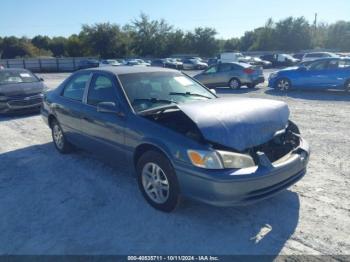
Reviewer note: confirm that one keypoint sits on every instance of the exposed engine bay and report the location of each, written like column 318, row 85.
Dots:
column 281, row 145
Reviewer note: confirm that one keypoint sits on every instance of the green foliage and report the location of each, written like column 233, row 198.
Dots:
column 103, row 40
column 156, row 38
column 338, row 36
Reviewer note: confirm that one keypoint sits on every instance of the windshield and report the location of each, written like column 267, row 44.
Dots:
column 149, row 90
column 15, row 77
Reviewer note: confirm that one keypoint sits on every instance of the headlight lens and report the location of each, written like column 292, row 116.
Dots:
column 219, row 159
column 236, row 160
column 205, row 159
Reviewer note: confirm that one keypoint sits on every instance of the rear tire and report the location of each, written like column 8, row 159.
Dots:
column 251, row 85
column 234, row 83
column 59, row 139
column 283, row 84
column 157, row 181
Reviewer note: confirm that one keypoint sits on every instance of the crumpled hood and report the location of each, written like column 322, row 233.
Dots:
column 239, row 123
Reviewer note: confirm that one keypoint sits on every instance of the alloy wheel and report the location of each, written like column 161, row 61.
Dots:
column 234, row 83
column 283, row 85
column 58, row 136
column 155, row 183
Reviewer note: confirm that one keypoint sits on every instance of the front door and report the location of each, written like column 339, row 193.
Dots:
column 104, row 132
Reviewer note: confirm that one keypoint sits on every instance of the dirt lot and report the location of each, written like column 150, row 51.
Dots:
column 75, row 204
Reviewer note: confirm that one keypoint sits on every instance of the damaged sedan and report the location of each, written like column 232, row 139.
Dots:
column 178, row 136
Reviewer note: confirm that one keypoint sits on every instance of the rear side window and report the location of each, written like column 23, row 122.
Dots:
column 101, row 90
column 76, row 86
column 319, row 65
column 225, row 67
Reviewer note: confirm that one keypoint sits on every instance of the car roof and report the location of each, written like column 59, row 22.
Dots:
column 124, row 70
column 328, row 58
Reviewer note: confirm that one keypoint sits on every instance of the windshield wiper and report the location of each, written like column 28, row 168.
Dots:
column 188, row 94
column 156, row 100
column 157, row 110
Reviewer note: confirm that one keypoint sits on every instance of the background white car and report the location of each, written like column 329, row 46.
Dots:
column 109, row 62
column 317, row 55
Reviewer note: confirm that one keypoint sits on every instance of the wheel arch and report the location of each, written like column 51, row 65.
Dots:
column 145, row 147
column 50, row 119
column 286, row 78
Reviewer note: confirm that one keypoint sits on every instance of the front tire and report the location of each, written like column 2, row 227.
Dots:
column 59, row 139
column 157, row 181
column 234, row 83
column 283, row 84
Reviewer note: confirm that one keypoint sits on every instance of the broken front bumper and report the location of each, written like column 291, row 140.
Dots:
column 246, row 185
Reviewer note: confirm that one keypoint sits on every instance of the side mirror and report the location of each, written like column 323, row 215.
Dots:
column 213, row 91
column 108, row 107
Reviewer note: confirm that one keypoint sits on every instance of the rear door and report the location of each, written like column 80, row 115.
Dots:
column 317, row 75
column 70, row 107
column 104, row 132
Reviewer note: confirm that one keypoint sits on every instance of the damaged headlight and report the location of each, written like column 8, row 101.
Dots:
column 205, row 159
column 236, row 160
column 219, row 159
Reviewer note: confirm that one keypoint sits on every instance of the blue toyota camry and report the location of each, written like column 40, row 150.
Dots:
column 327, row 73
column 179, row 137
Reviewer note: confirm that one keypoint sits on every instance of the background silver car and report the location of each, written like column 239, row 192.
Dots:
column 232, row 74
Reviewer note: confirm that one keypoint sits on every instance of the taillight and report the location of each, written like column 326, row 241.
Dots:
column 248, row 71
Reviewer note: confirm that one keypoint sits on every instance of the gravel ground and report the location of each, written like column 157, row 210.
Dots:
column 76, row 204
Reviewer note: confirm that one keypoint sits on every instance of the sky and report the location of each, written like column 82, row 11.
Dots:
column 231, row 18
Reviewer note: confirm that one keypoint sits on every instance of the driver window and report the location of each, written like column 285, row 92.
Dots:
column 319, row 65
column 101, row 90
column 333, row 64
column 225, row 68
column 211, row 70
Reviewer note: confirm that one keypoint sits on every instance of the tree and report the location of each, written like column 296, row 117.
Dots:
column 247, row 40
column 58, row 46
column 202, row 41
column 41, row 42
column 13, row 47
column 230, row 44
column 104, row 40
column 293, row 34
column 175, row 43
column 74, row 47
column 338, row 36
column 150, row 37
